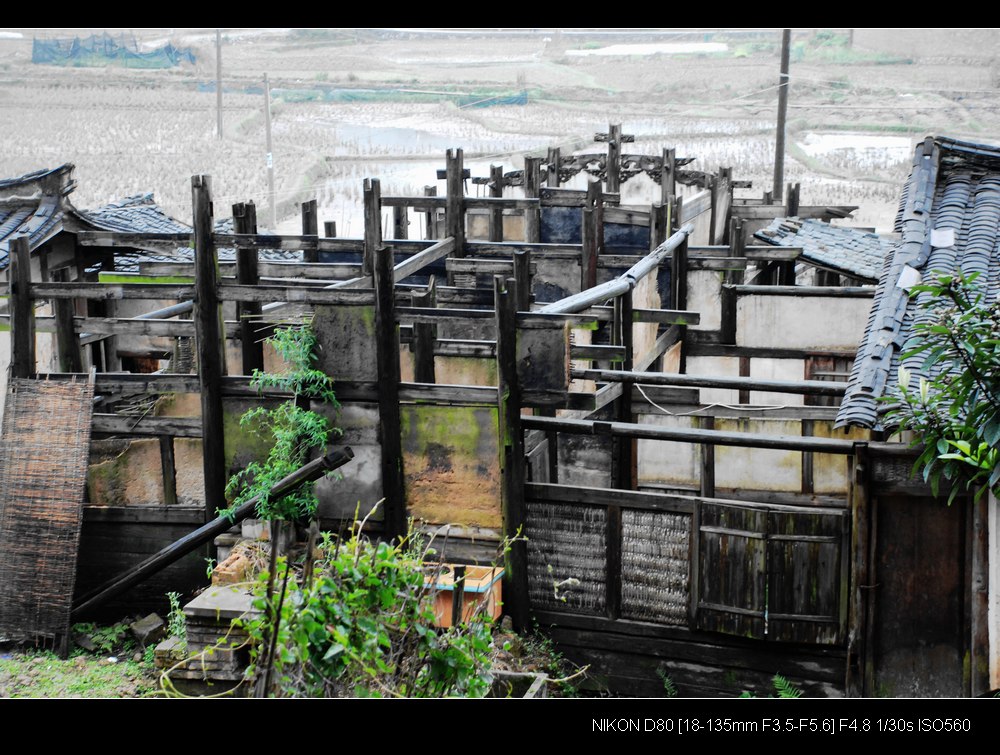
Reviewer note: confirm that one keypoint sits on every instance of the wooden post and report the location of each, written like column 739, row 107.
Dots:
column 588, row 258
column 979, row 598
column 532, row 185
column 678, row 276
column 808, row 486
column 625, row 447
column 553, row 160
column 169, row 469
column 400, row 223
column 424, row 337
column 454, row 214
column 859, row 665
column 373, row 224
column 614, row 157
column 668, row 176
column 310, row 227
column 112, row 362
column 779, row 141
column 270, row 153
column 658, row 222
column 737, row 249
column 431, row 233
column 208, row 335
column 727, row 328
column 248, row 312
column 496, row 213
column 707, row 489
column 522, row 275
column 387, row 356
column 512, row 463
column 70, row 356
column 744, row 397
column 457, row 595
column 218, row 83
column 713, row 187
column 792, row 208
column 330, row 229
column 22, row 310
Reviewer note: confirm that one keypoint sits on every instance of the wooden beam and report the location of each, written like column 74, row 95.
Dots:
column 707, row 479
column 512, row 461
column 70, row 355
column 420, row 260
column 496, row 213
column 679, row 276
column 387, row 358
column 373, row 224
column 668, row 178
column 553, row 160
column 211, row 364
column 455, row 206
column 118, row 424
column 251, row 347
column 532, row 184
column 22, row 309
column 424, row 338
column 431, row 214
column 169, row 470
column 400, row 223
column 310, row 227
column 718, row 437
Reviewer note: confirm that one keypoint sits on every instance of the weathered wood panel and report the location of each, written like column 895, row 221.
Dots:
column 806, row 577
column 655, row 566
column 567, row 553
column 732, row 563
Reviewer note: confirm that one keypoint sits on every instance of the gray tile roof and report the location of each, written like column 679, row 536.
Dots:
column 953, row 190
column 846, row 250
column 135, row 214
column 33, row 204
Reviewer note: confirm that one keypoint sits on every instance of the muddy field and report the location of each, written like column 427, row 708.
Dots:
column 351, row 104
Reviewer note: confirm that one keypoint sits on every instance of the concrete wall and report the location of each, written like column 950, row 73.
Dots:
column 801, row 322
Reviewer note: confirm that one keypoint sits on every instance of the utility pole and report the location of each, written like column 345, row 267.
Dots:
column 218, row 82
column 779, row 141
column 270, row 155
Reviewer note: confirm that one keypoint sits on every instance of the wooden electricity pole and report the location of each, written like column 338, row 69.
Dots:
column 779, row 141
column 218, row 82
column 270, row 154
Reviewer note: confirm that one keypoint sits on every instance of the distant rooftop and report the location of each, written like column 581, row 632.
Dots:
column 845, row 250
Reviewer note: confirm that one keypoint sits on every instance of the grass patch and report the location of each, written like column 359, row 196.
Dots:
column 42, row 674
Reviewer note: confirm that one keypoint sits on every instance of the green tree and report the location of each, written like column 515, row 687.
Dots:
column 954, row 414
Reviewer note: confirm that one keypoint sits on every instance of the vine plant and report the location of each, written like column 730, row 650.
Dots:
column 296, row 431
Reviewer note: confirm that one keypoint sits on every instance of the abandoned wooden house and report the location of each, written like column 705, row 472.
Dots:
column 644, row 392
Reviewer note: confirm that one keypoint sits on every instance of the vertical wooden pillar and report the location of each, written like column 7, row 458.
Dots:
column 727, row 328
column 22, row 310
column 808, row 485
column 625, row 447
column 614, row 157
column 310, row 227
column 248, row 312
column 400, row 223
column 512, row 462
column 779, row 141
column 588, row 255
column 330, row 229
column 169, row 469
column 387, row 355
column 496, row 213
column 373, row 224
column 860, row 665
column 668, row 176
column 454, row 214
column 522, row 276
column 532, row 187
column 737, row 249
column 707, row 489
column 792, row 208
column 431, row 233
column 979, row 599
column 424, row 337
column 678, row 276
column 553, row 161
column 713, row 188
column 209, row 339
column 70, row 356
column 658, row 222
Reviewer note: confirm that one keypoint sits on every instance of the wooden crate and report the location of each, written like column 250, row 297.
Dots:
column 481, row 592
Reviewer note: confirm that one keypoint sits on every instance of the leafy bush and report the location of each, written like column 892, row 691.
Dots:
column 360, row 623
column 955, row 414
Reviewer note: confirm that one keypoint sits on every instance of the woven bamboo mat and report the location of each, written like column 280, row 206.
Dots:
column 44, row 450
